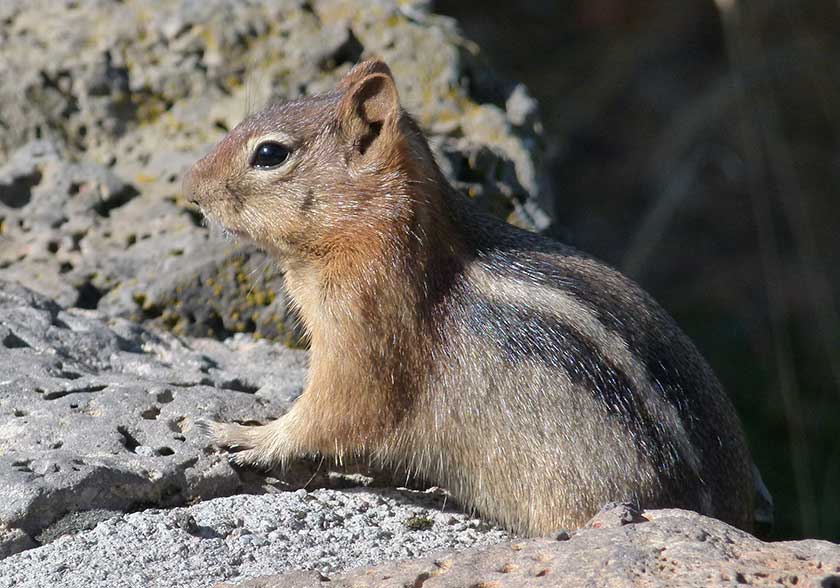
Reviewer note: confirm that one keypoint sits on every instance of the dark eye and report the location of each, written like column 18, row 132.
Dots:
column 270, row 154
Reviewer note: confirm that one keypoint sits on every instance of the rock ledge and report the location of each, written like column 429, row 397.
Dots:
column 675, row 548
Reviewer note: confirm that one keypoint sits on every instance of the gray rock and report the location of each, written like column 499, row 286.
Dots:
column 97, row 412
column 79, row 234
column 122, row 96
column 676, row 548
column 240, row 537
column 616, row 514
column 75, row 522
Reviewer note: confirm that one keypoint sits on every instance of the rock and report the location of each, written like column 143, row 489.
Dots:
column 78, row 233
column 245, row 536
column 122, row 96
column 97, row 412
column 676, row 548
column 75, row 522
column 97, row 402
column 616, row 514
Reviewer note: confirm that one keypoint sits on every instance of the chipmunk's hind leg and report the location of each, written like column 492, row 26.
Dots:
column 253, row 445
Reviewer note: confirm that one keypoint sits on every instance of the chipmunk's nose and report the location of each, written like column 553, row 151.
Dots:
column 192, row 183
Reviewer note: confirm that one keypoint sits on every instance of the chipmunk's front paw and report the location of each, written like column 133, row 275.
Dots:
column 244, row 441
column 228, row 435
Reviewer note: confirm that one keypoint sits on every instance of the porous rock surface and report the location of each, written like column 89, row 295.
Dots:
column 242, row 537
column 104, row 103
column 97, row 412
column 675, row 548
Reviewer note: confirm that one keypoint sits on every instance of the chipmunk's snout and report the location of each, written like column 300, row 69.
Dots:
column 207, row 183
column 187, row 187
column 198, row 181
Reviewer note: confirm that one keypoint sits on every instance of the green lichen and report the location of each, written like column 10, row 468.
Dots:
column 258, row 297
column 233, row 299
column 419, row 523
column 149, row 107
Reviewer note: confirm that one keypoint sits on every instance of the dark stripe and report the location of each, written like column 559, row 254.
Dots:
column 522, row 334
column 674, row 367
column 671, row 364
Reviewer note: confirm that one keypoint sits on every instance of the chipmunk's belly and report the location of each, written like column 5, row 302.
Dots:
column 528, row 447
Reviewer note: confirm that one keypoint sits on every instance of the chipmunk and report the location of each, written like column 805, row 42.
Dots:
column 528, row 379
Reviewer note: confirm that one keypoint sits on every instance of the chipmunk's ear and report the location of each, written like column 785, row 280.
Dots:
column 370, row 108
column 362, row 70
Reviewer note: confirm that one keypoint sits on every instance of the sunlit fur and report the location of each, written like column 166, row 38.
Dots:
column 530, row 380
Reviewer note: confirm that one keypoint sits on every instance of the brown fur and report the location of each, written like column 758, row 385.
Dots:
column 530, row 380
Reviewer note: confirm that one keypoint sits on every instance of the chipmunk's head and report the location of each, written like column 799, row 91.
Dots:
column 303, row 176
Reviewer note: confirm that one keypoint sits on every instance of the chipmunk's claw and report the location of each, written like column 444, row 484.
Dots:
column 239, row 438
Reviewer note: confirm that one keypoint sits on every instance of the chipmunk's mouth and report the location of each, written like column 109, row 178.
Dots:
column 218, row 228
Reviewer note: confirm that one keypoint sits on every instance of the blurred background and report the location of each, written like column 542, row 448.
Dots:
column 694, row 145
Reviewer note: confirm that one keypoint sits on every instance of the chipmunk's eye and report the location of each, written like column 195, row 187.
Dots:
column 270, row 154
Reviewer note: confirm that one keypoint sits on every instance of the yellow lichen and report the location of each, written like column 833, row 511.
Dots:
column 145, row 179
column 149, row 107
